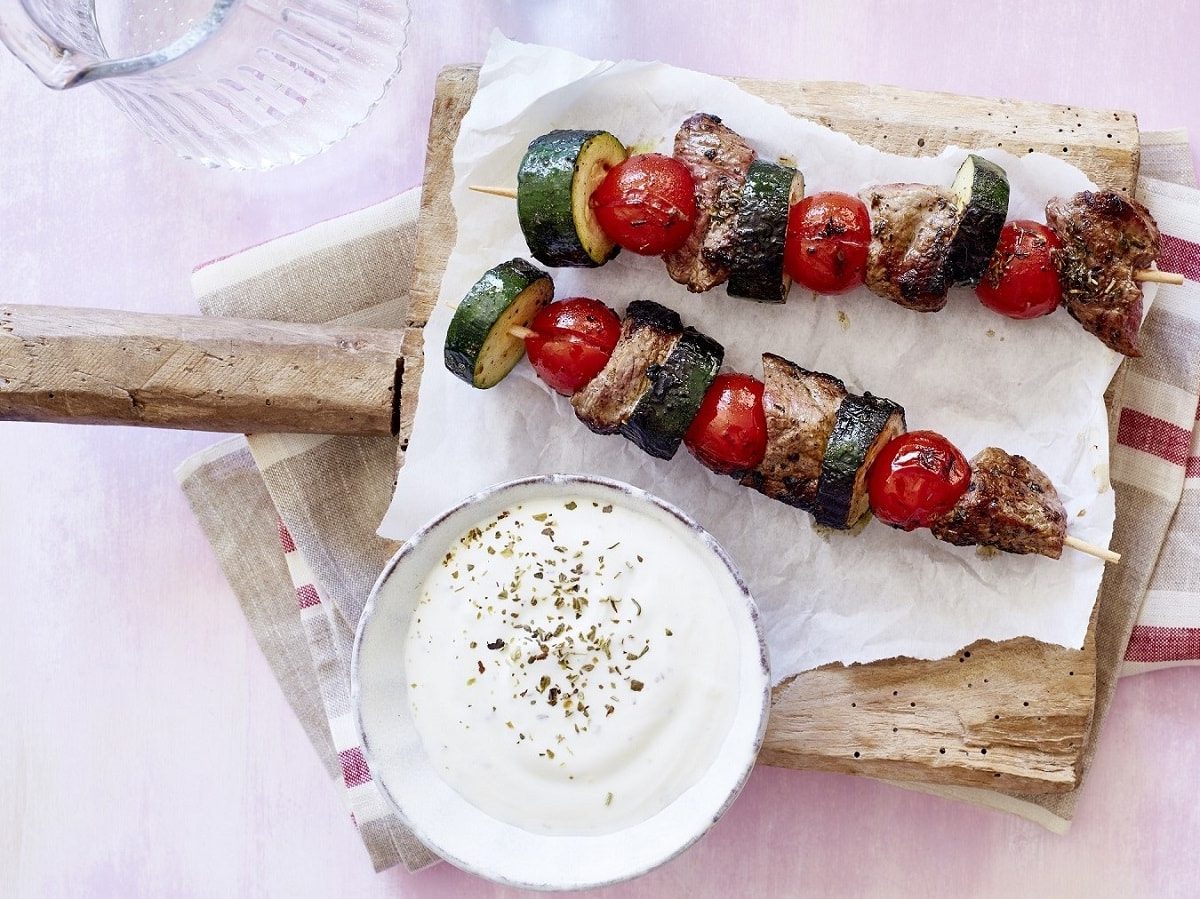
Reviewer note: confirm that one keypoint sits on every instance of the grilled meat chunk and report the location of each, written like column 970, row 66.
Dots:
column 912, row 228
column 1010, row 504
column 648, row 334
column 718, row 159
column 1106, row 237
column 801, row 407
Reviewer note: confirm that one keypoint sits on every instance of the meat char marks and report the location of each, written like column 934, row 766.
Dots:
column 801, row 407
column 1010, row 504
column 648, row 334
column 912, row 228
column 718, row 159
column 1106, row 237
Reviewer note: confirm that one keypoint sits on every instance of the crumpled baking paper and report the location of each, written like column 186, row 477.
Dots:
column 1033, row 387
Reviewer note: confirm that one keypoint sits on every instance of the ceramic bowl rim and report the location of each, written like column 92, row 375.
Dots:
column 638, row 495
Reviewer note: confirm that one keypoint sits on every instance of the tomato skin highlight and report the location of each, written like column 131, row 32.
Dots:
column 828, row 237
column 1022, row 279
column 647, row 204
column 729, row 433
column 917, row 478
column 572, row 341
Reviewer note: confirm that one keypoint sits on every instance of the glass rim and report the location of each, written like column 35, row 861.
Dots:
column 144, row 62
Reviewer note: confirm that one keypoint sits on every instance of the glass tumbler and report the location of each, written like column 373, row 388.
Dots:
column 243, row 84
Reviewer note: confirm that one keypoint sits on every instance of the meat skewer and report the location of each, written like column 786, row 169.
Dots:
column 922, row 239
column 1145, row 276
column 797, row 436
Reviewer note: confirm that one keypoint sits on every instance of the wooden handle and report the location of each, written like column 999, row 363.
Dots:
column 94, row 366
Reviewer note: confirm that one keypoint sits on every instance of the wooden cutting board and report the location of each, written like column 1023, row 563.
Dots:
column 1012, row 715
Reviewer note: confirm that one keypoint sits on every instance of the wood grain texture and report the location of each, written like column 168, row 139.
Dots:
column 91, row 366
column 1104, row 144
column 1010, row 715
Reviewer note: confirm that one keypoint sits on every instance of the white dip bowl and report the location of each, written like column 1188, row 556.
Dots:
column 476, row 841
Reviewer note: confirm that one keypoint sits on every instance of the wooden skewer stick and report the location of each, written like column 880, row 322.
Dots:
column 520, row 333
column 1091, row 549
column 509, row 192
column 1154, row 276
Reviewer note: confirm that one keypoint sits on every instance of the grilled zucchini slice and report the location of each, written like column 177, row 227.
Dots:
column 677, row 386
column 479, row 349
column 863, row 427
column 760, row 232
column 554, row 189
column 981, row 194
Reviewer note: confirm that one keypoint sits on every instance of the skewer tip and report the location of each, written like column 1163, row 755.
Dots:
column 1153, row 275
column 508, row 192
column 1091, row 549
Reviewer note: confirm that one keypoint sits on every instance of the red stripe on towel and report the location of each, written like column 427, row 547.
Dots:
column 1179, row 255
column 354, row 767
column 1154, row 435
column 1163, row 644
column 307, row 596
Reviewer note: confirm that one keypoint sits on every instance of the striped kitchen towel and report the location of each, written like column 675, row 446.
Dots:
column 1159, row 443
column 324, row 496
column 310, row 504
column 1167, row 632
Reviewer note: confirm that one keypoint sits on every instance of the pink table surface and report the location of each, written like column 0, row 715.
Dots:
column 145, row 748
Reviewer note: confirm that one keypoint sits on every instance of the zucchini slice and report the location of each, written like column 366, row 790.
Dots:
column 554, row 189
column 760, row 231
column 981, row 194
column 677, row 386
column 479, row 348
column 864, row 425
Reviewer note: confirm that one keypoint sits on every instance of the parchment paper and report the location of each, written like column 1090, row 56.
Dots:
column 1033, row 388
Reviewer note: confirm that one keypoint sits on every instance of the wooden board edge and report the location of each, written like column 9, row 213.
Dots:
column 1018, row 126
column 893, row 719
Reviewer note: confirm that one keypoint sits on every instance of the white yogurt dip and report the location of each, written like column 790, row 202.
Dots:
column 571, row 665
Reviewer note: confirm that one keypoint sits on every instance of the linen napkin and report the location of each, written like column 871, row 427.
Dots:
column 292, row 518
column 1167, row 632
column 310, row 503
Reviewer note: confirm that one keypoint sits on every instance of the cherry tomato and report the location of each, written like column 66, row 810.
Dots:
column 916, row 478
column 1022, row 279
column 572, row 341
column 828, row 237
column 729, row 433
column 647, row 204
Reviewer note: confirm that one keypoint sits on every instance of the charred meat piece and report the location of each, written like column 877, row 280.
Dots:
column 1106, row 237
column 648, row 335
column 1010, row 504
column 801, row 407
column 912, row 229
column 718, row 159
